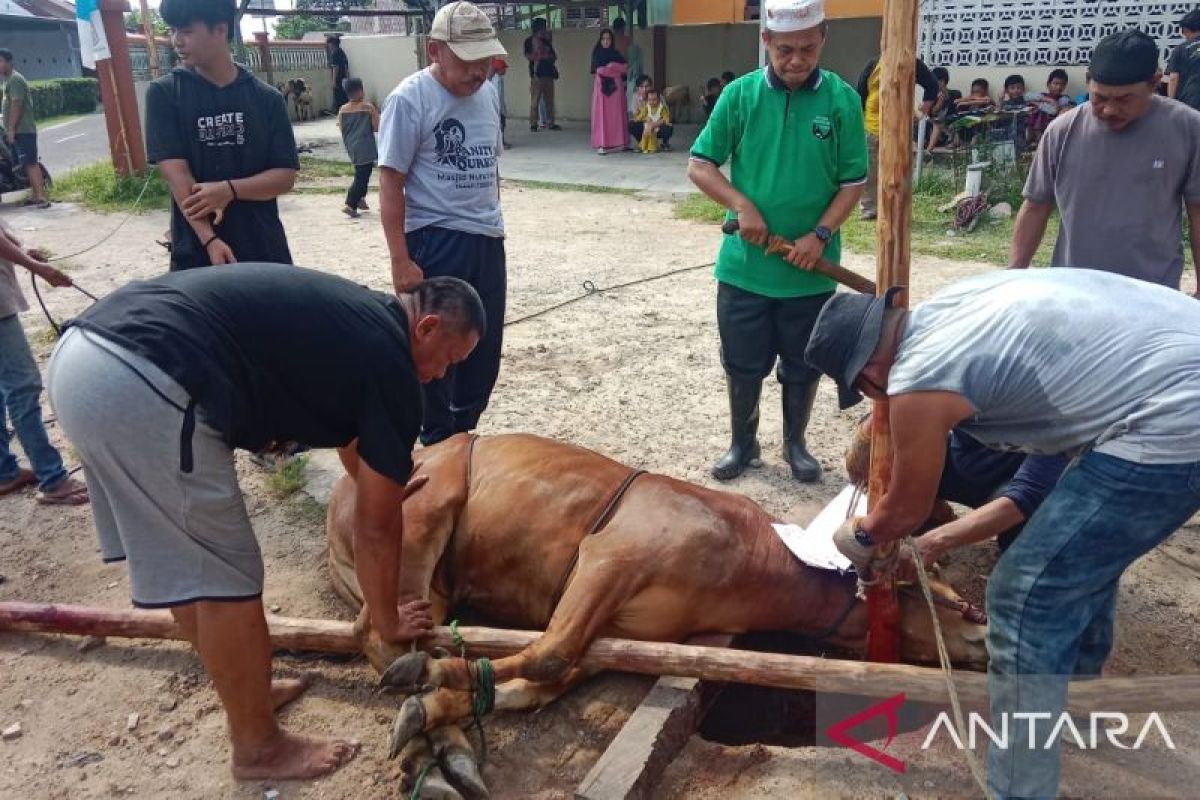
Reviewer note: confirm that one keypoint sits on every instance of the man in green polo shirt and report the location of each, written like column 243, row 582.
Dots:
column 20, row 131
column 793, row 134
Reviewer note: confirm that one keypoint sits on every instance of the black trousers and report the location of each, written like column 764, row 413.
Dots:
column 758, row 331
column 358, row 189
column 455, row 403
column 636, row 129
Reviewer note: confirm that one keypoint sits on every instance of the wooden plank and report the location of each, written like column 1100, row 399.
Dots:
column 923, row 684
column 653, row 735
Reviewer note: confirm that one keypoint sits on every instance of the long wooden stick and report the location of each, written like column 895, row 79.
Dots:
column 1175, row 693
column 897, row 74
column 837, row 272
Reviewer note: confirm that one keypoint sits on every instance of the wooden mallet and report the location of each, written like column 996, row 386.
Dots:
column 777, row 244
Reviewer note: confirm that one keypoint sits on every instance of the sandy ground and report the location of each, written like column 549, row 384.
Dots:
column 632, row 373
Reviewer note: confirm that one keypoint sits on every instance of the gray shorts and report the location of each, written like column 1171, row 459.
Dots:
column 182, row 526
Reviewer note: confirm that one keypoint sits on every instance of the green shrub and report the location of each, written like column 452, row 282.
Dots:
column 60, row 96
column 98, row 188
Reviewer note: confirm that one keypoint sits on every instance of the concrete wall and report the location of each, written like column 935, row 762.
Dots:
column 382, row 62
column 695, row 53
column 43, row 53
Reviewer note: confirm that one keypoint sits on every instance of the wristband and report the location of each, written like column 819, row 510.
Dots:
column 211, row 239
column 231, row 189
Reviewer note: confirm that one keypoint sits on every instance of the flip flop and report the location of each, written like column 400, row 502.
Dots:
column 24, row 478
column 69, row 492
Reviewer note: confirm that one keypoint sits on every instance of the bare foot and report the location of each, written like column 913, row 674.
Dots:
column 293, row 757
column 285, row 690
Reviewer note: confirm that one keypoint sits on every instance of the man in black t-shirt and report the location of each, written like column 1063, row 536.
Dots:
column 1183, row 68
column 224, row 144
column 339, row 69
column 539, row 51
column 156, row 384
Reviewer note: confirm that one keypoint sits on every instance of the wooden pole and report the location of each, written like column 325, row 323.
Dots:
column 898, row 52
column 919, row 684
column 151, row 44
column 116, row 90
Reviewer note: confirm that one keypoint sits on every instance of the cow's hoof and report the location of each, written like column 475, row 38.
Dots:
column 407, row 673
column 410, row 721
column 434, row 786
column 460, row 767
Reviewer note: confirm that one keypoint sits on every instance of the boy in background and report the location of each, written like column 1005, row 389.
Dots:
column 1014, row 102
column 712, row 91
column 943, row 107
column 1049, row 104
column 359, row 122
column 654, row 120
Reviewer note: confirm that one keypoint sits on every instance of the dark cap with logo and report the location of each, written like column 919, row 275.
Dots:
column 847, row 332
column 1124, row 58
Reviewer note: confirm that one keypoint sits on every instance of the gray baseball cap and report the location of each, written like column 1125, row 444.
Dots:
column 846, row 334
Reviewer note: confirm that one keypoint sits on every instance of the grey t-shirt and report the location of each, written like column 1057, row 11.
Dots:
column 448, row 147
column 1121, row 193
column 12, row 301
column 1185, row 62
column 1057, row 360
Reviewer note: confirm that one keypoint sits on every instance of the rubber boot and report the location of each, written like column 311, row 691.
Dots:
column 798, row 401
column 743, row 416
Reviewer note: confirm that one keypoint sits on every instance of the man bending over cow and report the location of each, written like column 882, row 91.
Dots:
column 1079, row 362
column 158, row 382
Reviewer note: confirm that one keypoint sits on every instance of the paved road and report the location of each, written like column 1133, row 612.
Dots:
column 73, row 144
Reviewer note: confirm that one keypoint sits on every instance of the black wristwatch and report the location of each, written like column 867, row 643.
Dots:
column 863, row 538
column 823, row 233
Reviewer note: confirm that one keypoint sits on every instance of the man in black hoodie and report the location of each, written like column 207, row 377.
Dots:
column 223, row 142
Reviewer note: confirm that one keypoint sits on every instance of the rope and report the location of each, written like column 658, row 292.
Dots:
column 113, row 232
column 947, row 671
column 36, row 293
column 420, row 782
column 483, row 688
column 458, row 639
column 590, row 289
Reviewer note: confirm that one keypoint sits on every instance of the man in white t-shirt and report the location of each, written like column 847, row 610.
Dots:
column 440, row 141
column 1081, row 362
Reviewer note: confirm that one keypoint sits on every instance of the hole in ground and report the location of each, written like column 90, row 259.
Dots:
column 744, row 714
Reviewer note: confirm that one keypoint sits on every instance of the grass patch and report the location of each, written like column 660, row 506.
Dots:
column 587, row 188
column 306, row 511
column 288, row 477
column 312, row 169
column 98, row 188
column 933, row 231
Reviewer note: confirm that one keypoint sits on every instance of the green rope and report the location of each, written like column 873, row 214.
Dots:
column 458, row 639
column 483, row 699
column 420, row 784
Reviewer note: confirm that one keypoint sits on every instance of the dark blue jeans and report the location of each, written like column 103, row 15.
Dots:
column 455, row 403
column 20, row 394
column 1051, row 599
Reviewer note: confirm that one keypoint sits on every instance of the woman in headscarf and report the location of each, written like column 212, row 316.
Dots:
column 610, row 116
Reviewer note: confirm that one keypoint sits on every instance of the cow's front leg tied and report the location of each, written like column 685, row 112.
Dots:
column 483, row 698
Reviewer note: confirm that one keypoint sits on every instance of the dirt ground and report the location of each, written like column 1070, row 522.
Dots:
column 633, row 374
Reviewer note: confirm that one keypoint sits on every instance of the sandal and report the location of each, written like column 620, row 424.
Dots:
column 69, row 492
column 24, row 478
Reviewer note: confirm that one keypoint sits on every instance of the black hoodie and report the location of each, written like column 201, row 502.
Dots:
column 223, row 133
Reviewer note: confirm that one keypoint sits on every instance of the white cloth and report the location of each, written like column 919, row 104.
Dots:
column 814, row 545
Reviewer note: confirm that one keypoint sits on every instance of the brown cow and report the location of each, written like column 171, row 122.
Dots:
column 503, row 526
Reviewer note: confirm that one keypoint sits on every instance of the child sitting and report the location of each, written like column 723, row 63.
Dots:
column 1049, row 104
column 712, row 91
column 655, row 120
column 639, row 99
column 969, row 109
column 1013, row 102
column 359, row 121
column 943, row 107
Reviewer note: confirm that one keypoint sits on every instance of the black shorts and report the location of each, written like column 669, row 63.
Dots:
column 25, row 149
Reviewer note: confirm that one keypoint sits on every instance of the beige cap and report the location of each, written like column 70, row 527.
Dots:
column 467, row 30
column 785, row 16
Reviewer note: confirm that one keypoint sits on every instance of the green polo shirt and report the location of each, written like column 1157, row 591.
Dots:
column 16, row 89
column 790, row 152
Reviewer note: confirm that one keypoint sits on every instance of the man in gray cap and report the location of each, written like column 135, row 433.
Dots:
column 1079, row 362
column 1119, row 169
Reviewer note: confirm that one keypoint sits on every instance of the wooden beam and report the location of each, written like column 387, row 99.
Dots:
column 658, row 729
column 898, row 54
column 115, row 75
column 922, row 684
